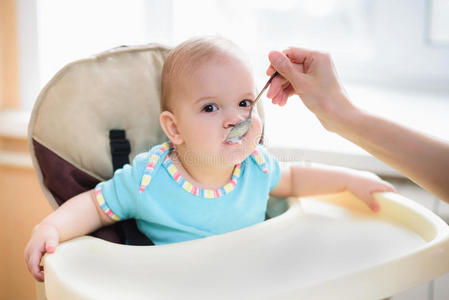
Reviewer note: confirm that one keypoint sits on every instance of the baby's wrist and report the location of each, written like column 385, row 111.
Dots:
column 352, row 178
column 44, row 226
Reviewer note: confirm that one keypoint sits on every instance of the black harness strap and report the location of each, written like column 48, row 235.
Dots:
column 120, row 149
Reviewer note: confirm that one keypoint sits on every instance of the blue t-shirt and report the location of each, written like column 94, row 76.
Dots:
column 169, row 209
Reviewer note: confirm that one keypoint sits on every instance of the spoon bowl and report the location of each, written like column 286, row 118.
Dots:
column 239, row 130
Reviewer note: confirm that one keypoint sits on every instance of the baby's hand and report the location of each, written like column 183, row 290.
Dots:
column 363, row 184
column 44, row 239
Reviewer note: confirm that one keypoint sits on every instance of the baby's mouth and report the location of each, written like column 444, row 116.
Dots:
column 235, row 141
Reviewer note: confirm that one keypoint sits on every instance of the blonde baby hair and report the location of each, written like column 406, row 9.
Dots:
column 189, row 55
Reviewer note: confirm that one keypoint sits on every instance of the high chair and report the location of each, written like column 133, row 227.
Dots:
column 98, row 113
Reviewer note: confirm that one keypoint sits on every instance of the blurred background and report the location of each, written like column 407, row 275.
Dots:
column 392, row 57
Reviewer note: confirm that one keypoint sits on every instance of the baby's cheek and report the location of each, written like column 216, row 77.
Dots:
column 256, row 129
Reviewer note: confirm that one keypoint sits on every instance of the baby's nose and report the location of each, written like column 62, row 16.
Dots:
column 233, row 119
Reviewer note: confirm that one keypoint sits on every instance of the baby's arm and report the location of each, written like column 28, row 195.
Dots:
column 78, row 216
column 307, row 179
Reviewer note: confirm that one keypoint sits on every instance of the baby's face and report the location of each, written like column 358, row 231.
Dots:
column 215, row 97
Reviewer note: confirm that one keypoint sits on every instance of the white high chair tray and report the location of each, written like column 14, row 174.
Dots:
column 328, row 247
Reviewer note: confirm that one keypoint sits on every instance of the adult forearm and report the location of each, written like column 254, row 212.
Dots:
column 76, row 217
column 424, row 159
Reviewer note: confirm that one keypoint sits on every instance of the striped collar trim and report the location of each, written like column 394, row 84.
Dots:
column 155, row 156
column 260, row 160
column 164, row 149
column 201, row 192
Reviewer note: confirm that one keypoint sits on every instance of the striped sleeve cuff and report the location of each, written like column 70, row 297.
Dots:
column 100, row 199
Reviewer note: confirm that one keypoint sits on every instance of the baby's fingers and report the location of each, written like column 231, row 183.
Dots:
column 51, row 244
column 35, row 258
column 368, row 197
column 372, row 203
column 34, row 265
column 44, row 240
column 51, row 239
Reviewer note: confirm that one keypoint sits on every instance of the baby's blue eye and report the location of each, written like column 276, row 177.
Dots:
column 210, row 108
column 245, row 103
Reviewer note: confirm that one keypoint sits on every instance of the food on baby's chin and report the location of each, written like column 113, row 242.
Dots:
column 234, row 140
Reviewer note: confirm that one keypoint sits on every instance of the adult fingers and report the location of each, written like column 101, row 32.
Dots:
column 290, row 71
column 283, row 99
column 277, row 97
column 278, row 83
column 270, row 70
column 281, row 63
column 275, row 86
column 298, row 55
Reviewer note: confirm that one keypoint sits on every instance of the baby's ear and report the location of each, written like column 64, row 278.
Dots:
column 168, row 124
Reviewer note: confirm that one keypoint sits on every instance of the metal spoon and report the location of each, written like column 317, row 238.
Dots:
column 242, row 127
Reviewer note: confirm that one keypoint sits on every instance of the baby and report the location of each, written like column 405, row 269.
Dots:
column 197, row 185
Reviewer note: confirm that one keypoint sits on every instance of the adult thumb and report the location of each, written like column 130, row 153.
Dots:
column 283, row 65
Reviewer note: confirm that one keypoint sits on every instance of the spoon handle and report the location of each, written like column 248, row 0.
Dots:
column 265, row 87
column 261, row 92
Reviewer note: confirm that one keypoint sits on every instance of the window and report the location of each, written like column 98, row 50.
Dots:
column 57, row 32
column 375, row 43
column 439, row 22
column 367, row 39
column 260, row 26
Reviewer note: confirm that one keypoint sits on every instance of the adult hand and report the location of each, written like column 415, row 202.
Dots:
column 312, row 76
